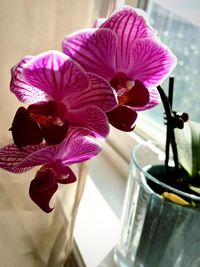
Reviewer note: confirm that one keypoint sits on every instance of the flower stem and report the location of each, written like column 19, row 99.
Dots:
column 170, row 136
column 83, row 173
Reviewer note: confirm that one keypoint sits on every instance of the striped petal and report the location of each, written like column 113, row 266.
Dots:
column 152, row 62
column 92, row 118
column 94, row 50
column 11, row 157
column 69, row 151
column 79, row 150
column 128, row 26
column 76, row 133
column 43, row 156
column 100, row 94
column 56, row 74
column 23, row 91
column 77, row 147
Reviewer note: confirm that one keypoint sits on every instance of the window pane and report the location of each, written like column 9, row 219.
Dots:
column 178, row 25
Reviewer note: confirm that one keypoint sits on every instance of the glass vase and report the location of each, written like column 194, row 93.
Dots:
column 155, row 231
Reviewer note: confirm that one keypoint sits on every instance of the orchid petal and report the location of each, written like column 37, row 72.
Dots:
column 46, row 155
column 92, row 118
column 93, row 49
column 43, row 187
column 76, row 133
column 24, row 92
column 128, row 26
column 154, row 100
column 11, row 157
column 100, row 94
column 152, row 62
column 56, row 74
column 123, row 118
column 79, row 150
column 128, row 23
column 77, row 147
column 66, row 151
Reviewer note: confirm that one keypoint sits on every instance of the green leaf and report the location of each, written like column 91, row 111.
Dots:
column 195, row 132
column 195, row 189
column 188, row 145
column 184, row 147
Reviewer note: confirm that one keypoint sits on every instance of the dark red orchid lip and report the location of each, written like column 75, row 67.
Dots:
column 68, row 177
column 54, row 134
column 29, row 128
column 137, row 96
column 130, row 92
column 123, row 118
column 45, row 184
column 46, row 108
column 25, row 130
column 42, row 188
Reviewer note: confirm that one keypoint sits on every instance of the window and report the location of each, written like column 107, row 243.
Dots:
column 178, row 25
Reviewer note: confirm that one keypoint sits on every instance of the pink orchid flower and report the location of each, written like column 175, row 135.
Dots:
column 125, row 51
column 61, row 95
column 77, row 147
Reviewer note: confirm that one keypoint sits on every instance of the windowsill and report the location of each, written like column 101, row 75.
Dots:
column 97, row 228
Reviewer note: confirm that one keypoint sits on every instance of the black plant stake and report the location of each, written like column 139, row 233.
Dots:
column 173, row 120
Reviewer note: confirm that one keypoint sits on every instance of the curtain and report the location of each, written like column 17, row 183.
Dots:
column 29, row 237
